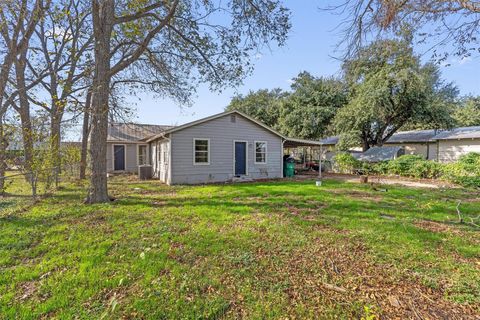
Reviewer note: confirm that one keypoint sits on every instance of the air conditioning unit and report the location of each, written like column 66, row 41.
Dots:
column 145, row 172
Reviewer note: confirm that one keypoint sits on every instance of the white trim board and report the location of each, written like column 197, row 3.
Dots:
column 215, row 116
column 124, row 156
column 246, row 156
column 255, row 152
column 208, row 152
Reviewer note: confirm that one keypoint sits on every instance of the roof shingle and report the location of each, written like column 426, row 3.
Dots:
column 459, row 133
column 133, row 132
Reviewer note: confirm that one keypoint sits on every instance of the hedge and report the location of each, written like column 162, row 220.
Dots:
column 466, row 171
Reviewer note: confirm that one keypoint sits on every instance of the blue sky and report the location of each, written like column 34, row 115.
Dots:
column 310, row 47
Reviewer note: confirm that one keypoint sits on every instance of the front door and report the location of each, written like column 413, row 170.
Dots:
column 240, row 158
column 119, row 158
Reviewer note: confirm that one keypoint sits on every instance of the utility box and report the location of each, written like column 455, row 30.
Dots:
column 145, row 172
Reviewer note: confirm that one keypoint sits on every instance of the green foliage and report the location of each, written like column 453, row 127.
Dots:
column 465, row 172
column 346, row 163
column 468, row 113
column 414, row 166
column 390, row 89
column 184, row 252
column 310, row 108
column 262, row 105
column 304, row 112
column 71, row 157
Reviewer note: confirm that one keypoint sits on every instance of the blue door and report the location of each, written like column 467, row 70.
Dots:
column 118, row 158
column 240, row 158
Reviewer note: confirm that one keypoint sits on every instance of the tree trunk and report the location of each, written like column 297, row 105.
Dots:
column 103, row 19
column 85, row 134
column 55, row 140
column 24, row 111
column 3, row 149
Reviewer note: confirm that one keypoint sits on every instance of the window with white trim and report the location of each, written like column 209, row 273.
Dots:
column 142, row 155
column 201, row 150
column 260, row 152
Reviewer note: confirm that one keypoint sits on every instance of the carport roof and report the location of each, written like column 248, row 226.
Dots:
column 293, row 143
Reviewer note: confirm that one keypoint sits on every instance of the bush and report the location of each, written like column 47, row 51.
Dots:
column 465, row 172
column 346, row 163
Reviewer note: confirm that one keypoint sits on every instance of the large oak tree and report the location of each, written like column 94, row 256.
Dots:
column 390, row 89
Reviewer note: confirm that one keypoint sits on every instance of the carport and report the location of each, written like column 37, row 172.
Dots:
column 310, row 151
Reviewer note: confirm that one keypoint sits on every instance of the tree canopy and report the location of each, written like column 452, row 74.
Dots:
column 264, row 105
column 305, row 111
column 468, row 112
column 390, row 89
column 308, row 111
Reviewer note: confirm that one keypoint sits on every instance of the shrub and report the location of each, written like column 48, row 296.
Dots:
column 404, row 165
column 466, row 171
column 346, row 163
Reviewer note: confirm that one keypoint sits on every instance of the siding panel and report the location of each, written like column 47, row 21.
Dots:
column 130, row 155
column 222, row 134
column 451, row 150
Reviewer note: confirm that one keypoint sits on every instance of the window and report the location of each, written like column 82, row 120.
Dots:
column 260, row 152
column 142, row 155
column 201, row 149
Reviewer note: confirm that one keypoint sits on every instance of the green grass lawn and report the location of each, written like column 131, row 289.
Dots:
column 259, row 250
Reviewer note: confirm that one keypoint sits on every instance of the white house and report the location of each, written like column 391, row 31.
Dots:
column 219, row 148
column 451, row 144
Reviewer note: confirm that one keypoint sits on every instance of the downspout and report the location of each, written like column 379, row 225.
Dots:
column 281, row 158
column 170, row 163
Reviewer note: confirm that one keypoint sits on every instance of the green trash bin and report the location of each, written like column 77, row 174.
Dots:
column 289, row 169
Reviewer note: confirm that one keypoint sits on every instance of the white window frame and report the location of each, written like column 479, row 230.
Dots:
column 255, row 152
column 146, row 160
column 208, row 152
column 124, row 156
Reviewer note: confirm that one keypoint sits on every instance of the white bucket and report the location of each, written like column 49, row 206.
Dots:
column 319, row 183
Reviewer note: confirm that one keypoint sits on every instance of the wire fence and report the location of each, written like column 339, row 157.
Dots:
column 20, row 181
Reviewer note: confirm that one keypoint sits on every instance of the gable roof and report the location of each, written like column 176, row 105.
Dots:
column 413, row 136
column 133, row 132
column 459, row 133
column 215, row 116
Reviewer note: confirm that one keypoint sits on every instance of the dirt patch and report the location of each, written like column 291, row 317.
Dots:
column 358, row 195
column 326, row 275
column 415, row 183
column 26, row 290
column 434, row 226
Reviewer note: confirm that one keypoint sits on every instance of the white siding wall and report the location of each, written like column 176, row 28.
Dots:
column 451, row 150
column 432, row 151
column 222, row 134
column 422, row 149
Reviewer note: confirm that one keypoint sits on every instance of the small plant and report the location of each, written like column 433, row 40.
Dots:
column 346, row 163
column 370, row 313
